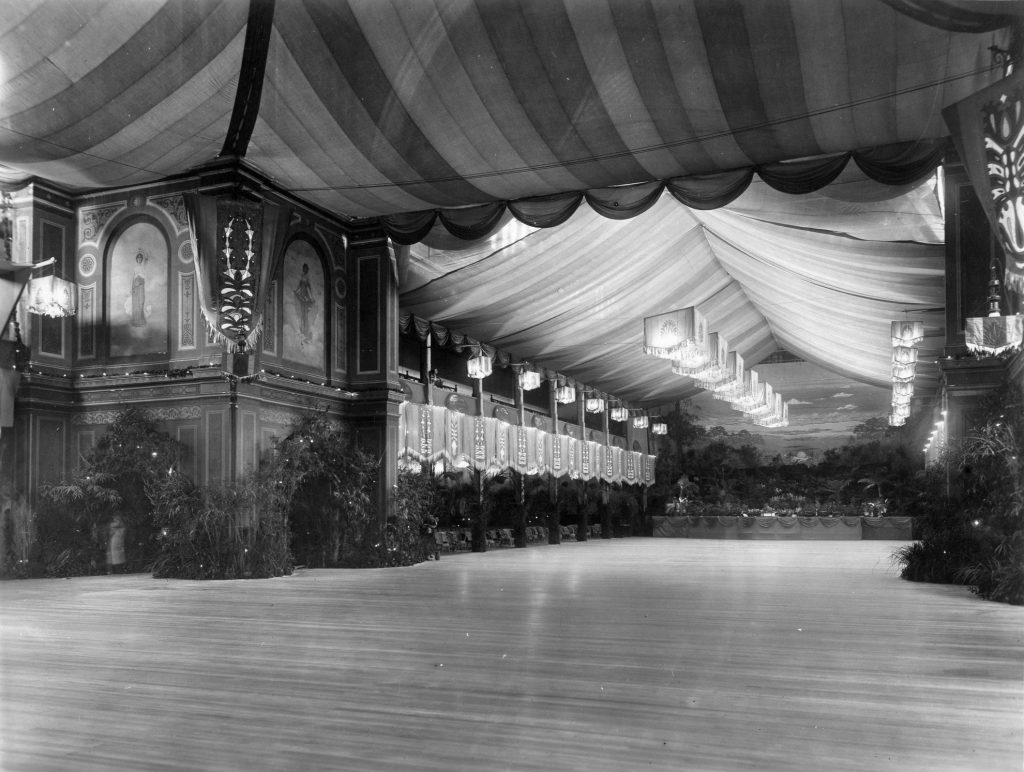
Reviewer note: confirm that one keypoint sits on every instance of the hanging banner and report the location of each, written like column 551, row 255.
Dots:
column 522, row 449
column 480, row 443
column 988, row 131
column 557, row 454
column 501, row 435
column 541, row 457
column 429, row 433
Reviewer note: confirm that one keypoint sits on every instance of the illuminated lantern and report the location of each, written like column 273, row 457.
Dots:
column 619, row 413
column 659, row 428
column 731, row 386
column 565, row 394
column 715, row 367
column 640, row 422
column 479, row 366
column 765, row 402
column 594, row 404
column 528, row 379
column 904, row 363
column 777, row 416
column 749, row 396
column 907, row 333
column 52, row 296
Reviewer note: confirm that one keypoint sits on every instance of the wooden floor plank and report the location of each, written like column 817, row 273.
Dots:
column 607, row 655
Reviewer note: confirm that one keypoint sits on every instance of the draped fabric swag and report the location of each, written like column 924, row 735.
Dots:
column 432, row 434
column 902, row 164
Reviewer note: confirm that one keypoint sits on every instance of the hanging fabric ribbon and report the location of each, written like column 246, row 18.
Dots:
column 988, row 130
column 237, row 247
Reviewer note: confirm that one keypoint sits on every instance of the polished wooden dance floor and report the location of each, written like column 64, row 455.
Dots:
column 665, row 654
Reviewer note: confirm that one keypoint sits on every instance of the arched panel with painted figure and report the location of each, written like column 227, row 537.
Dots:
column 305, row 315
column 137, row 309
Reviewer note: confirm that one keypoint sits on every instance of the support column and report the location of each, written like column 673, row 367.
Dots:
column 970, row 246
column 582, row 502
column 373, row 356
column 427, row 365
column 518, row 480
column 604, row 506
column 480, row 521
column 554, row 536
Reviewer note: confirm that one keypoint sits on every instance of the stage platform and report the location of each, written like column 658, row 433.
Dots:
column 606, row 656
column 788, row 528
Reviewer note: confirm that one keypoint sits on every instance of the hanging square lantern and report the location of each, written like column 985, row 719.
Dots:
column 594, row 404
column 640, row 422
column 992, row 335
column 619, row 413
column 904, row 373
column 750, row 395
column 729, row 387
column 902, row 390
column 901, row 399
column 528, row 379
column 679, row 335
column 714, row 366
column 659, row 428
column 52, row 296
column 764, row 404
column 777, row 415
column 565, row 394
column 907, row 333
column 904, row 363
column 904, row 355
column 479, row 366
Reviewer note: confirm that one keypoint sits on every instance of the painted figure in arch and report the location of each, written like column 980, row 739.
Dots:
column 137, row 310
column 306, row 301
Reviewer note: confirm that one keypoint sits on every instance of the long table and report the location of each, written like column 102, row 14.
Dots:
column 789, row 527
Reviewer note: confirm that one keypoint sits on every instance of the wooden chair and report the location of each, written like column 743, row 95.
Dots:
column 443, row 541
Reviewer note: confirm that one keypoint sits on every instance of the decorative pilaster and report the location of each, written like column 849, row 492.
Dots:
column 373, row 354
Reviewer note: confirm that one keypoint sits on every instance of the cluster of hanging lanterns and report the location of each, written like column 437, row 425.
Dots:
column 480, row 365
column 905, row 337
column 682, row 336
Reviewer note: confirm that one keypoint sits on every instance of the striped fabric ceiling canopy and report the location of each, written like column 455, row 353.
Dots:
column 463, row 115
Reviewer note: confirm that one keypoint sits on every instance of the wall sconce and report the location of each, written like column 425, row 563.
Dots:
column 619, row 413
column 659, row 428
column 640, row 422
column 594, row 404
column 565, row 394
